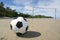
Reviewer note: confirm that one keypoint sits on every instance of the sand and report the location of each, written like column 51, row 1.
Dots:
column 39, row 29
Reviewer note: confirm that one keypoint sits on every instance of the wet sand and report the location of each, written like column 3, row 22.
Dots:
column 39, row 29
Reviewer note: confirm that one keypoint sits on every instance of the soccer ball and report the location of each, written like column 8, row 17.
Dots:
column 19, row 25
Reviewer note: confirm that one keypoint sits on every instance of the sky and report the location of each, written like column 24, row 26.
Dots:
column 35, row 7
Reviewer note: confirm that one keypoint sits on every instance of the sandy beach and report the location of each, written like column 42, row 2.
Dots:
column 39, row 29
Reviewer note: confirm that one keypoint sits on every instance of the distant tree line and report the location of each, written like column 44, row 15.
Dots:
column 7, row 12
column 36, row 16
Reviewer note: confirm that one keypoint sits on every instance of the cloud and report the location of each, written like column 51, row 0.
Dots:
column 30, row 4
column 45, row 2
column 22, row 9
column 28, row 7
column 33, row 2
column 17, row 8
column 37, row 3
column 44, row 11
column 48, row 4
column 22, row 2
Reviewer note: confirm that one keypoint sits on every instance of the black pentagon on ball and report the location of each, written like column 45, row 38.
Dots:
column 19, row 24
column 24, row 19
column 11, row 26
column 26, row 28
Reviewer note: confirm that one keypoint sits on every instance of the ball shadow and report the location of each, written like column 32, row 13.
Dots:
column 29, row 34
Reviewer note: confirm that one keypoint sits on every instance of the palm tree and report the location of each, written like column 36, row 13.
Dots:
column 1, row 9
column 1, row 4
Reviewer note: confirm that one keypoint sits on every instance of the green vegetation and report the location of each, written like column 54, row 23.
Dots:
column 7, row 12
column 36, row 16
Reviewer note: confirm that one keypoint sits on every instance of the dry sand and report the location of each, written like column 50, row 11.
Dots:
column 39, row 29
